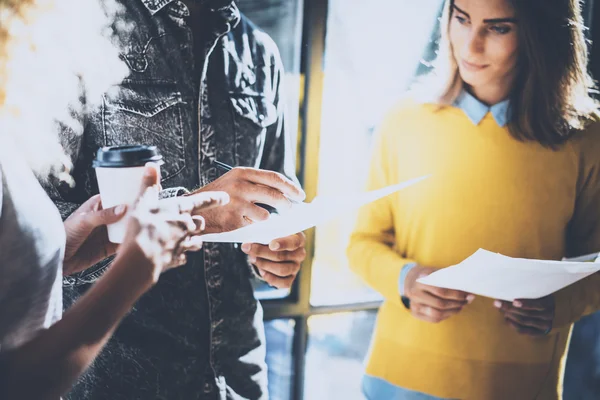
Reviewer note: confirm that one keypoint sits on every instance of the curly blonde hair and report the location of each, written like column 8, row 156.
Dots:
column 51, row 54
column 9, row 11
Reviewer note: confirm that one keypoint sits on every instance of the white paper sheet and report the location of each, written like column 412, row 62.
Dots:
column 303, row 216
column 504, row 278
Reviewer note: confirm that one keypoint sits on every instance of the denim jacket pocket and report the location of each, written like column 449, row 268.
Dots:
column 147, row 114
column 250, row 90
column 254, row 107
column 90, row 275
column 254, row 111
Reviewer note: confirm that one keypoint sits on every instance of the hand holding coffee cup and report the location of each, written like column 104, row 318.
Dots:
column 120, row 171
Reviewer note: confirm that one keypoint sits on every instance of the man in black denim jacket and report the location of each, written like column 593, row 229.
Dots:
column 204, row 84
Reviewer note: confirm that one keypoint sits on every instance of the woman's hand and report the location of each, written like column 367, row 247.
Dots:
column 430, row 303
column 165, row 230
column 533, row 317
column 87, row 238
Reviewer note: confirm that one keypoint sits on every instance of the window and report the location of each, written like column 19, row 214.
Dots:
column 347, row 62
column 369, row 63
column 280, row 338
column 341, row 84
column 338, row 344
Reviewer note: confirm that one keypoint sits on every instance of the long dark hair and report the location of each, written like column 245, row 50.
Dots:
column 551, row 94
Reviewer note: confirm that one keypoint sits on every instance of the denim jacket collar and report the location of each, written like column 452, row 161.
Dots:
column 155, row 6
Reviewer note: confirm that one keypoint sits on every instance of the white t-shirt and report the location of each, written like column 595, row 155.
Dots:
column 32, row 241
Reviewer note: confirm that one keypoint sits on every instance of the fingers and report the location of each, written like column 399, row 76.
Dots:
column 528, row 322
column 279, row 269
column 200, row 222
column 177, row 261
column 438, row 303
column 525, row 330
column 430, row 314
column 92, row 204
column 528, row 317
column 289, row 243
column 274, row 180
column 259, row 251
column 535, row 304
column 186, row 222
column 106, row 216
column 449, row 294
column 192, row 243
column 267, row 195
column 507, row 307
column 254, row 213
column 151, row 179
column 276, row 281
column 200, row 201
column 91, row 215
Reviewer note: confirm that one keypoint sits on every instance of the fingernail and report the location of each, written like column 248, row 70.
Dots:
column 517, row 303
column 246, row 247
column 120, row 209
column 470, row 298
column 497, row 304
column 252, row 259
column 274, row 246
column 261, row 272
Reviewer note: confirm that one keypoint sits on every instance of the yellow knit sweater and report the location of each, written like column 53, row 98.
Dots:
column 487, row 190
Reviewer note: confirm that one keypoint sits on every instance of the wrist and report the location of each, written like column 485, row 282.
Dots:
column 133, row 266
column 404, row 275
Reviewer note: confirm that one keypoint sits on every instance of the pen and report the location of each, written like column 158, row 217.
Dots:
column 226, row 167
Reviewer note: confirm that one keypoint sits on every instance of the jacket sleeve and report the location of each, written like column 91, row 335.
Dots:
column 279, row 154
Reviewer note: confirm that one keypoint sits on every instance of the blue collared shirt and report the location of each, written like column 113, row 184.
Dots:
column 475, row 110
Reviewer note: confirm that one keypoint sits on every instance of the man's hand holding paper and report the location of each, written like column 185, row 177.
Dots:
column 248, row 187
column 279, row 262
column 302, row 216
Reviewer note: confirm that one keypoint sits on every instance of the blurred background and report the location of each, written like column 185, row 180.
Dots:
column 347, row 62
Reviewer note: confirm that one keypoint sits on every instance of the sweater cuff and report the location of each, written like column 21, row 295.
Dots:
column 403, row 274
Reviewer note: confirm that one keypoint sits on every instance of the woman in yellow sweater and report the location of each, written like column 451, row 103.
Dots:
column 513, row 149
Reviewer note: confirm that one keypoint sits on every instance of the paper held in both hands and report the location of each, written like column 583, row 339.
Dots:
column 504, row 278
column 303, row 216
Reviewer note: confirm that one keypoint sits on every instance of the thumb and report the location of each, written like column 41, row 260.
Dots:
column 108, row 216
column 150, row 178
column 423, row 274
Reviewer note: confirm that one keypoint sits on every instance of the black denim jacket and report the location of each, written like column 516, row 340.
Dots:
column 199, row 333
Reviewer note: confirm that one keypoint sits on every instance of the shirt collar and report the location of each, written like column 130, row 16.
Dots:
column 155, row 6
column 476, row 110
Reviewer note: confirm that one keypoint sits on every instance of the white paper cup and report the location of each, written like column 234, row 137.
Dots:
column 119, row 171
